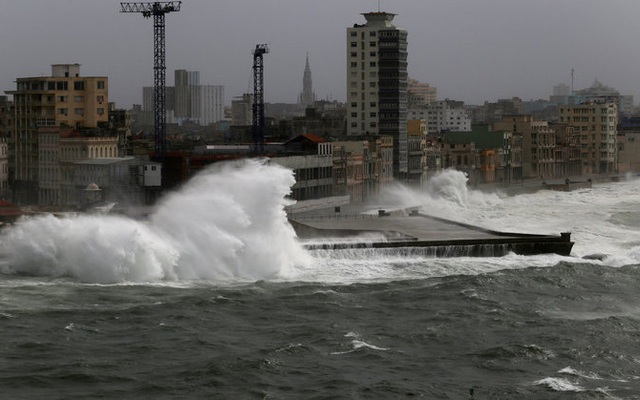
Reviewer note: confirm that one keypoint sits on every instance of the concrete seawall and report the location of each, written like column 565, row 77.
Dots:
column 411, row 229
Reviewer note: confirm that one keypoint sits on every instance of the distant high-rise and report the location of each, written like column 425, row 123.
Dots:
column 188, row 100
column 307, row 97
column 377, row 84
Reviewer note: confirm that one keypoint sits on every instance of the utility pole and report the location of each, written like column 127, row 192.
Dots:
column 157, row 10
column 257, row 128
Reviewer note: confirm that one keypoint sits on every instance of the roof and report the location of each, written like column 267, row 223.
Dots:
column 480, row 135
column 105, row 160
column 310, row 137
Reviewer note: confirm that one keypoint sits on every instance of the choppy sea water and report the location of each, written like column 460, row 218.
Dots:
column 180, row 307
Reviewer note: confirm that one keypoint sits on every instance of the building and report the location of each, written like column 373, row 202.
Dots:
column 124, row 180
column 597, row 92
column 420, row 94
column 188, row 100
column 7, row 114
column 443, row 116
column 63, row 99
column 241, row 111
column 538, row 144
column 307, row 97
column 416, row 138
column 60, row 148
column 377, row 84
column 4, row 168
column 596, row 124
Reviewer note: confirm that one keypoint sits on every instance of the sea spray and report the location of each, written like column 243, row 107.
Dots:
column 230, row 223
column 445, row 195
column 226, row 224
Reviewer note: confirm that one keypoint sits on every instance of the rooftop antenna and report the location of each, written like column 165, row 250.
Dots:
column 378, row 5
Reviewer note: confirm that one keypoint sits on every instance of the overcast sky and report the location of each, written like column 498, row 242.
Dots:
column 471, row 50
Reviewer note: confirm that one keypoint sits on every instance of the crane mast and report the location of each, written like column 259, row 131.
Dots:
column 157, row 10
column 258, row 97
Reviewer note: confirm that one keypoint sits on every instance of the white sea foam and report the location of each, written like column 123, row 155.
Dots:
column 227, row 223
column 560, row 385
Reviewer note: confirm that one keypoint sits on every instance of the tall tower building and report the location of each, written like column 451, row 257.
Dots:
column 377, row 84
column 63, row 99
column 307, row 97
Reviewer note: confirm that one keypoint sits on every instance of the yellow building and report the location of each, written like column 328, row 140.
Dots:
column 64, row 99
column 538, row 144
column 596, row 124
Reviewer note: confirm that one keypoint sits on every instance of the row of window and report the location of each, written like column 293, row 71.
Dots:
column 57, row 85
column 355, row 34
column 354, row 64
column 78, row 111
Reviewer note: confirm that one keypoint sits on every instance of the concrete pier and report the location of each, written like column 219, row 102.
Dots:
column 409, row 228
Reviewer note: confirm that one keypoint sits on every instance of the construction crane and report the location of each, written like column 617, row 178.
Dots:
column 157, row 10
column 258, row 97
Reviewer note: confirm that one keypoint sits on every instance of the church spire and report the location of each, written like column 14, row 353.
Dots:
column 307, row 97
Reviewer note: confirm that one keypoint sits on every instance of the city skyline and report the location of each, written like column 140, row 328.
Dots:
column 471, row 51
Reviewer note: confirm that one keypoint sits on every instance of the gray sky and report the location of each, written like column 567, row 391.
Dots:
column 471, row 50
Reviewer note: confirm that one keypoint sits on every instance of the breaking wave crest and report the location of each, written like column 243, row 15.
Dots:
column 226, row 224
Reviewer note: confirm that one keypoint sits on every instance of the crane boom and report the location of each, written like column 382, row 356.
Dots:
column 150, row 7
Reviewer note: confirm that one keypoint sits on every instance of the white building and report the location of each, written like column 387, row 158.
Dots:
column 443, row 116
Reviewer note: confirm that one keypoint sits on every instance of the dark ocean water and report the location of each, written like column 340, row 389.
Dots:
column 214, row 298
column 570, row 331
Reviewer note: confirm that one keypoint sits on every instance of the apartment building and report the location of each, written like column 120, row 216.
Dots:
column 596, row 124
column 377, row 84
column 64, row 99
column 538, row 144
column 443, row 116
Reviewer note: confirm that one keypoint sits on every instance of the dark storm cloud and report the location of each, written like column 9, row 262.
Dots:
column 470, row 50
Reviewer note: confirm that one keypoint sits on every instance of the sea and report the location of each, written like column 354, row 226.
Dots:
column 212, row 296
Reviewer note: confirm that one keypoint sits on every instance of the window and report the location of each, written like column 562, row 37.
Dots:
column 62, row 99
column 62, row 111
column 372, row 44
column 62, row 85
column 78, row 111
column 372, row 33
column 354, row 34
column 372, row 64
column 51, row 86
column 78, row 99
column 100, row 84
column 372, row 53
column 100, row 99
column 354, row 54
column 354, row 44
column 100, row 111
column 354, row 114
